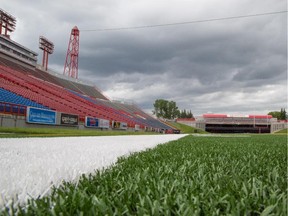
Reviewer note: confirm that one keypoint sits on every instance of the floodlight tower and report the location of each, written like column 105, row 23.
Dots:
column 48, row 48
column 71, row 62
column 7, row 23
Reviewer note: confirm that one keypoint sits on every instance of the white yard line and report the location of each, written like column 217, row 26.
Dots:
column 30, row 166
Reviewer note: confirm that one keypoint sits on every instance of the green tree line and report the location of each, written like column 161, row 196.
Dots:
column 169, row 110
column 280, row 115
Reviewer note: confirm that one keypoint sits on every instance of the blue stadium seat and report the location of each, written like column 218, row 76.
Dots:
column 22, row 110
column 15, row 109
column 7, row 108
column 10, row 97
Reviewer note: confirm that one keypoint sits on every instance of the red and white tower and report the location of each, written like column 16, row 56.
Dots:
column 71, row 62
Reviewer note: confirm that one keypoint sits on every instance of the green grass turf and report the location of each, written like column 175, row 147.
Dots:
column 192, row 176
column 284, row 131
column 54, row 132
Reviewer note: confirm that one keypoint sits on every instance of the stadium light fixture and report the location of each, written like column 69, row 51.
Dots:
column 48, row 48
column 7, row 23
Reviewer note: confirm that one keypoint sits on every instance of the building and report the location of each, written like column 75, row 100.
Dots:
column 225, row 123
column 10, row 48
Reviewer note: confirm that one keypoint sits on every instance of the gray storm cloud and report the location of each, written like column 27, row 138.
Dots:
column 235, row 65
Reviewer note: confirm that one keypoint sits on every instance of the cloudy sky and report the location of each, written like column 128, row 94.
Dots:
column 236, row 66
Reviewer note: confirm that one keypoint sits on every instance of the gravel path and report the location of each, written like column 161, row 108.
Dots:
column 30, row 166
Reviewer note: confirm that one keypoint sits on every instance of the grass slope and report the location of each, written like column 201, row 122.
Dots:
column 284, row 131
column 185, row 129
column 190, row 176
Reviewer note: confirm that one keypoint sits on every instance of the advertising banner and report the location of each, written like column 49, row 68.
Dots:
column 68, row 119
column 116, row 125
column 97, row 123
column 103, row 123
column 119, row 125
column 40, row 116
column 137, row 127
column 91, row 122
column 123, row 125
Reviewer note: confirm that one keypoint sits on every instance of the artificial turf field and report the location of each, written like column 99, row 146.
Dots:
column 195, row 175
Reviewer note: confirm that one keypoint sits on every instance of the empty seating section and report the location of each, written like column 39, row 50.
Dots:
column 7, row 96
column 89, row 90
column 81, row 88
column 142, row 116
column 78, row 87
column 107, row 106
column 56, row 97
column 33, row 87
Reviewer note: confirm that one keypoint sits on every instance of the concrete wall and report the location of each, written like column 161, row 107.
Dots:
column 11, row 121
column 278, row 126
column 20, row 122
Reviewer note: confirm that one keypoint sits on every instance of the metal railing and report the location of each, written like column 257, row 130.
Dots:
column 12, row 109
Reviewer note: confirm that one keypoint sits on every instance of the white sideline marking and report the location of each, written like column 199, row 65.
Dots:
column 30, row 166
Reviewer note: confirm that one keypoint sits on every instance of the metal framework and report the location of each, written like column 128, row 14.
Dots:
column 7, row 23
column 71, row 62
column 48, row 48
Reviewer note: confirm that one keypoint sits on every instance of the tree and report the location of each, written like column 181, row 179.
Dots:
column 190, row 115
column 275, row 114
column 282, row 115
column 185, row 114
column 165, row 109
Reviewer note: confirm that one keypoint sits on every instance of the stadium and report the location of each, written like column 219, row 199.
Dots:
column 32, row 94
column 99, row 173
column 228, row 123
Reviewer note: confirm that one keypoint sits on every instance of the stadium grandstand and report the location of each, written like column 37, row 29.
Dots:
column 32, row 94
column 226, row 123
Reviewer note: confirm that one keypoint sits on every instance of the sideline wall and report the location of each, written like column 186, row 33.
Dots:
column 20, row 122
column 278, row 126
column 13, row 121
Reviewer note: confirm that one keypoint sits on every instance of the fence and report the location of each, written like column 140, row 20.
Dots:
column 12, row 109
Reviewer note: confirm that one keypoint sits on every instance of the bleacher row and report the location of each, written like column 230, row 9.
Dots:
column 32, row 87
column 37, row 73
column 12, row 98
